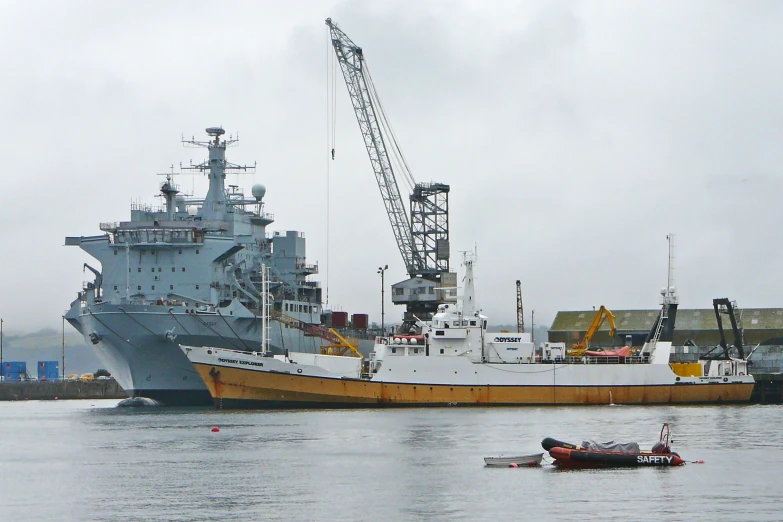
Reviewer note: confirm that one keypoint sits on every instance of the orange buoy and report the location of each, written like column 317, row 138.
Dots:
column 215, row 429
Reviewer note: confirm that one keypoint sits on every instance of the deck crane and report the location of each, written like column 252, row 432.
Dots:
column 424, row 240
column 578, row 349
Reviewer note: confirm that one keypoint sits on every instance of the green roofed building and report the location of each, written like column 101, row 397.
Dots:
column 760, row 325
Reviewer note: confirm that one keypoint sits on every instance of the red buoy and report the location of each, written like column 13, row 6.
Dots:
column 513, row 465
column 215, row 429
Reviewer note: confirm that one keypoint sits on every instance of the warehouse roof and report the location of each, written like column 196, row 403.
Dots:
column 641, row 320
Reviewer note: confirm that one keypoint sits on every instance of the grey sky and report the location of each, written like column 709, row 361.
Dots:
column 574, row 135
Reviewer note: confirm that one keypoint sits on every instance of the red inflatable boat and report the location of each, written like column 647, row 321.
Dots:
column 617, row 455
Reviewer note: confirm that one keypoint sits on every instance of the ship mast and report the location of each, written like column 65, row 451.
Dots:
column 215, row 204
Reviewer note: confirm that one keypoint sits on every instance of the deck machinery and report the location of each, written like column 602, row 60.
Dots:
column 423, row 240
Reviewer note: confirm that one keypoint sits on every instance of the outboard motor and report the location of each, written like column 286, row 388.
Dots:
column 661, row 447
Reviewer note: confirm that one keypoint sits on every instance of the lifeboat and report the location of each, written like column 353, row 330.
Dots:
column 608, row 455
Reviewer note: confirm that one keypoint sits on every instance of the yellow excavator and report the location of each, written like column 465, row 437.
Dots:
column 579, row 349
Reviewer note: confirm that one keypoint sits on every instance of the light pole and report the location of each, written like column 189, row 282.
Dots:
column 381, row 270
column 62, row 371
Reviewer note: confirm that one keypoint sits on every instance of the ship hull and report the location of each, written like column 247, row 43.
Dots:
column 132, row 344
column 247, row 388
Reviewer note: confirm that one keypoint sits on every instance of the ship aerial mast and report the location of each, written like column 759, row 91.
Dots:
column 215, row 203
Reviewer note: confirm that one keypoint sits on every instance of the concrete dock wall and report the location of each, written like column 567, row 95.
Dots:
column 48, row 390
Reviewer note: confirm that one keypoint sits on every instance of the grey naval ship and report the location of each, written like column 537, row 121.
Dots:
column 189, row 273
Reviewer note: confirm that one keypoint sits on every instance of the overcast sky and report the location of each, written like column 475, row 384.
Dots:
column 575, row 136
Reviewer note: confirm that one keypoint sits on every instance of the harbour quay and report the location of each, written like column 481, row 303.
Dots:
column 60, row 390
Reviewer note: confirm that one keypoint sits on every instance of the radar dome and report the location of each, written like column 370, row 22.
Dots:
column 180, row 202
column 258, row 191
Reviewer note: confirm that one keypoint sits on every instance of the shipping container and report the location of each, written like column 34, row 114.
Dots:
column 360, row 321
column 14, row 370
column 48, row 370
column 339, row 319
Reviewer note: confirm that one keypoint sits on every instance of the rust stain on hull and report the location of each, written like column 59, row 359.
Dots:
column 281, row 389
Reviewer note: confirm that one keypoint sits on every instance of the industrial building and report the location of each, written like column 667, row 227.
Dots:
column 760, row 325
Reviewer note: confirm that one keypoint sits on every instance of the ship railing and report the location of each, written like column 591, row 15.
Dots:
column 602, row 359
column 613, row 359
column 149, row 235
column 109, row 226
column 304, row 267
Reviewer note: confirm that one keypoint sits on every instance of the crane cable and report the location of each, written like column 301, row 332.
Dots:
column 383, row 120
column 330, row 129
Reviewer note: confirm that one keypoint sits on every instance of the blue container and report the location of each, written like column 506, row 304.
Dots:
column 48, row 370
column 14, row 371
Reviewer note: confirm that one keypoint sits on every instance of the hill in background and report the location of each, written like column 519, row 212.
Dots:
column 46, row 345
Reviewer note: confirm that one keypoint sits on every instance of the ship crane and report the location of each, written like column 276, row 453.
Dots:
column 423, row 241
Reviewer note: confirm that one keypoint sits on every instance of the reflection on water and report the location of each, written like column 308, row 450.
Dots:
column 84, row 460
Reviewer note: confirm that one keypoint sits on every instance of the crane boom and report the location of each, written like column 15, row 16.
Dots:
column 361, row 92
column 578, row 349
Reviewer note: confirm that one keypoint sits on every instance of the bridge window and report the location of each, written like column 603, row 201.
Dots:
column 473, row 323
column 153, row 269
column 173, row 269
column 115, row 287
column 139, row 269
column 183, row 268
column 399, row 291
column 439, row 332
column 197, row 250
column 139, row 287
column 171, row 287
column 153, row 287
column 196, row 287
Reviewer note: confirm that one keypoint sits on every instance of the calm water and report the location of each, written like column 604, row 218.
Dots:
column 85, row 460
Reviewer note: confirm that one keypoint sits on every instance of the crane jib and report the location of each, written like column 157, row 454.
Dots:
column 423, row 241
